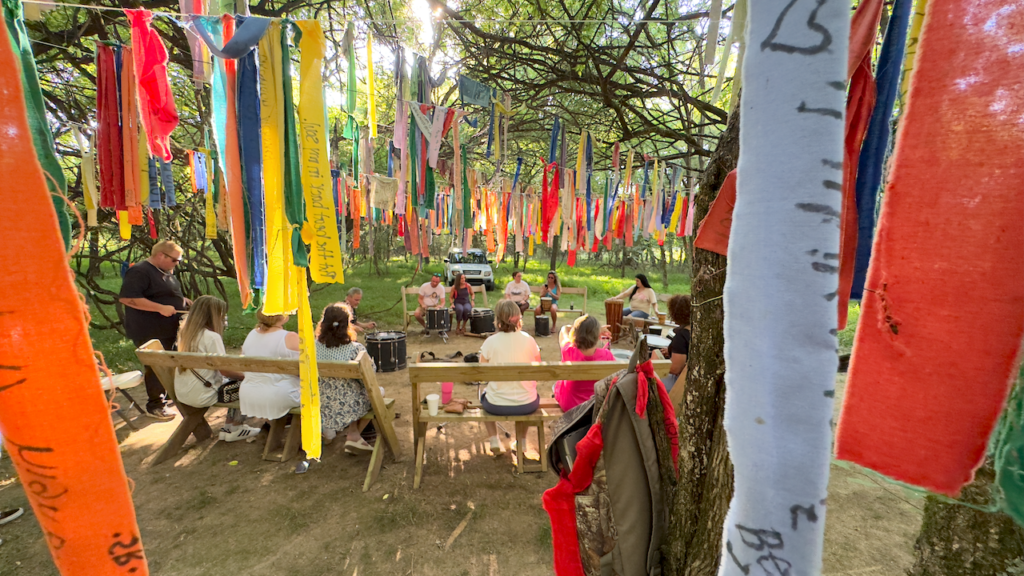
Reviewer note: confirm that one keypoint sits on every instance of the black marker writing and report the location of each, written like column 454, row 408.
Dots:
column 818, row 209
column 796, row 510
column 825, row 268
column 830, row 112
column 770, row 43
column 832, row 164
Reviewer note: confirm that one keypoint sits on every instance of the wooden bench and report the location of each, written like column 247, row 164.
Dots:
column 563, row 306
column 408, row 315
column 165, row 362
column 437, row 372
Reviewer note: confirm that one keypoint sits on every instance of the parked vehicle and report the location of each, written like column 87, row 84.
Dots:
column 474, row 265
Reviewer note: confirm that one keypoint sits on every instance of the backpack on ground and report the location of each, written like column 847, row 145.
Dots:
column 616, row 459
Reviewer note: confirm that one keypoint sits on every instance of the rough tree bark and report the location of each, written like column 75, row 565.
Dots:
column 959, row 541
column 694, row 541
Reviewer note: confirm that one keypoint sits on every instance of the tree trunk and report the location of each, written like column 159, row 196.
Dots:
column 554, row 254
column 622, row 271
column 664, row 269
column 959, row 541
column 694, row 540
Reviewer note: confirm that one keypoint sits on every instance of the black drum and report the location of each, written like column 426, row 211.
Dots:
column 387, row 350
column 481, row 321
column 542, row 326
column 439, row 319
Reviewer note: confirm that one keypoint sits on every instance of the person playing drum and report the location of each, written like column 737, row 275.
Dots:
column 431, row 296
column 463, row 300
column 552, row 289
column 354, row 296
column 518, row 291
column 642, row 299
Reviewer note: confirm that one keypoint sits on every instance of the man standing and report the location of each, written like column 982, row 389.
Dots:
column 354, row 296
column 518, row 291
column 431, row 296
column 152, row 299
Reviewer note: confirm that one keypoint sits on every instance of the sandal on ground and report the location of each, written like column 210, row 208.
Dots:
column 427, row 356
column 454, row 355
column 359, row 447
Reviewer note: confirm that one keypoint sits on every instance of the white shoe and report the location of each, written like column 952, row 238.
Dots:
column 496, row 447
column 240, row 433
column 328, row 435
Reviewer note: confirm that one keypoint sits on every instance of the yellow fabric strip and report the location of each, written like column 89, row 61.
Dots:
column 280, row 297
column 912, row 39
column 320, row 230
column 211, row 217
column 580, row 152
column 309, row 377
column 531, row 245
column 677, row 212
column 88, row 174
column 371, row 87
column 123, row 226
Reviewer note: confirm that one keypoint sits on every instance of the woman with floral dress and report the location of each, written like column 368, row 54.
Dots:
column 343, row 401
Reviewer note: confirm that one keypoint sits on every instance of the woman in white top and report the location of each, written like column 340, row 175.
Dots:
column 518, row 291
column 201, row 333
column 642, row 299
column 509, row 345
column 263, row 395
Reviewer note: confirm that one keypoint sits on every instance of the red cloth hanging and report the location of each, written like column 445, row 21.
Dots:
column 859, row 105
column 157, row 111
column 932, row 363
column 109, row 144
column 713, row 233
column 549, row 199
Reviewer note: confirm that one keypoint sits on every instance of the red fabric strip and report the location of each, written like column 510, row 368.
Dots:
column 932, row 361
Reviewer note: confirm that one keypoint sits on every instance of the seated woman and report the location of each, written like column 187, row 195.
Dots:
column 552, row 288
column 679, row 312
column 343, row 401
column 199, row 387
column 463, row 300
column 518, row 291
column 579, row 343
column 642, row 299
column 270, row 396
column 509, row 345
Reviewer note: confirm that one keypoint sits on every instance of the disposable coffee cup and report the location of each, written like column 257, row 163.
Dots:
column 432, row 401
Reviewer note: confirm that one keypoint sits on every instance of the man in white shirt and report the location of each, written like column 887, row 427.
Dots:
column 431, row 296
column 518, row 291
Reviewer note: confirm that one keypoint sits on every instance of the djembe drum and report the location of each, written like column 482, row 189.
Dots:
column 613, row 316
column 545, row 304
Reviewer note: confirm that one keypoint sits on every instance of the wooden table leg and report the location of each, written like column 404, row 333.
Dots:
column 420, row 436
column 274, row 437
column 376, row 459
column 193, row 422
column 520, row 445
column 293, row 441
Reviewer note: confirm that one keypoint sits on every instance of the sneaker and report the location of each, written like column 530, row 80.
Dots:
column 359, row 447
column 241, row 433
column 11, row 515
column 496, row 448
column 161, row 414
column 328, row 435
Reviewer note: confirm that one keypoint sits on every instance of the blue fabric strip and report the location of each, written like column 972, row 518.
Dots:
column 250, row 144
column 490, row 128
column 872, row 153
column 248, row 34
column 554, row 141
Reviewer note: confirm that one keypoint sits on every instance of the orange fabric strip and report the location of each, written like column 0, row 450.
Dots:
column 75, row 482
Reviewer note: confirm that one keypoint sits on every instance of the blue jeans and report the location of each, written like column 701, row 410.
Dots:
column 669, row 381
column 462, row 311
column 635, row 313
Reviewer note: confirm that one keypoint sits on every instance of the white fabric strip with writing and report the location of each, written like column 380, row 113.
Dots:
column 780, row 344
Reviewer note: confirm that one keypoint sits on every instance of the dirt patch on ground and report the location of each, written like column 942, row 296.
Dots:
column 202, row 514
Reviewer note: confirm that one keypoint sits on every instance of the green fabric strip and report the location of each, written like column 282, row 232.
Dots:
column 294, row 202
column 467, row 197
column 42, row 138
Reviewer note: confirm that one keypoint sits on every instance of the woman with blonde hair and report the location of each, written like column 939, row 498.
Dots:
column 343, row 401
column 509, row 345
column 579, row 343
column 263, row 395
column 201, row 333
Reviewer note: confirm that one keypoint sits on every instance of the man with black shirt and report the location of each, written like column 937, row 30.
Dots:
column 152, row 298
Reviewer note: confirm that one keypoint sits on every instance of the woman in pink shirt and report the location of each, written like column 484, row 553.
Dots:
column 579, row 343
